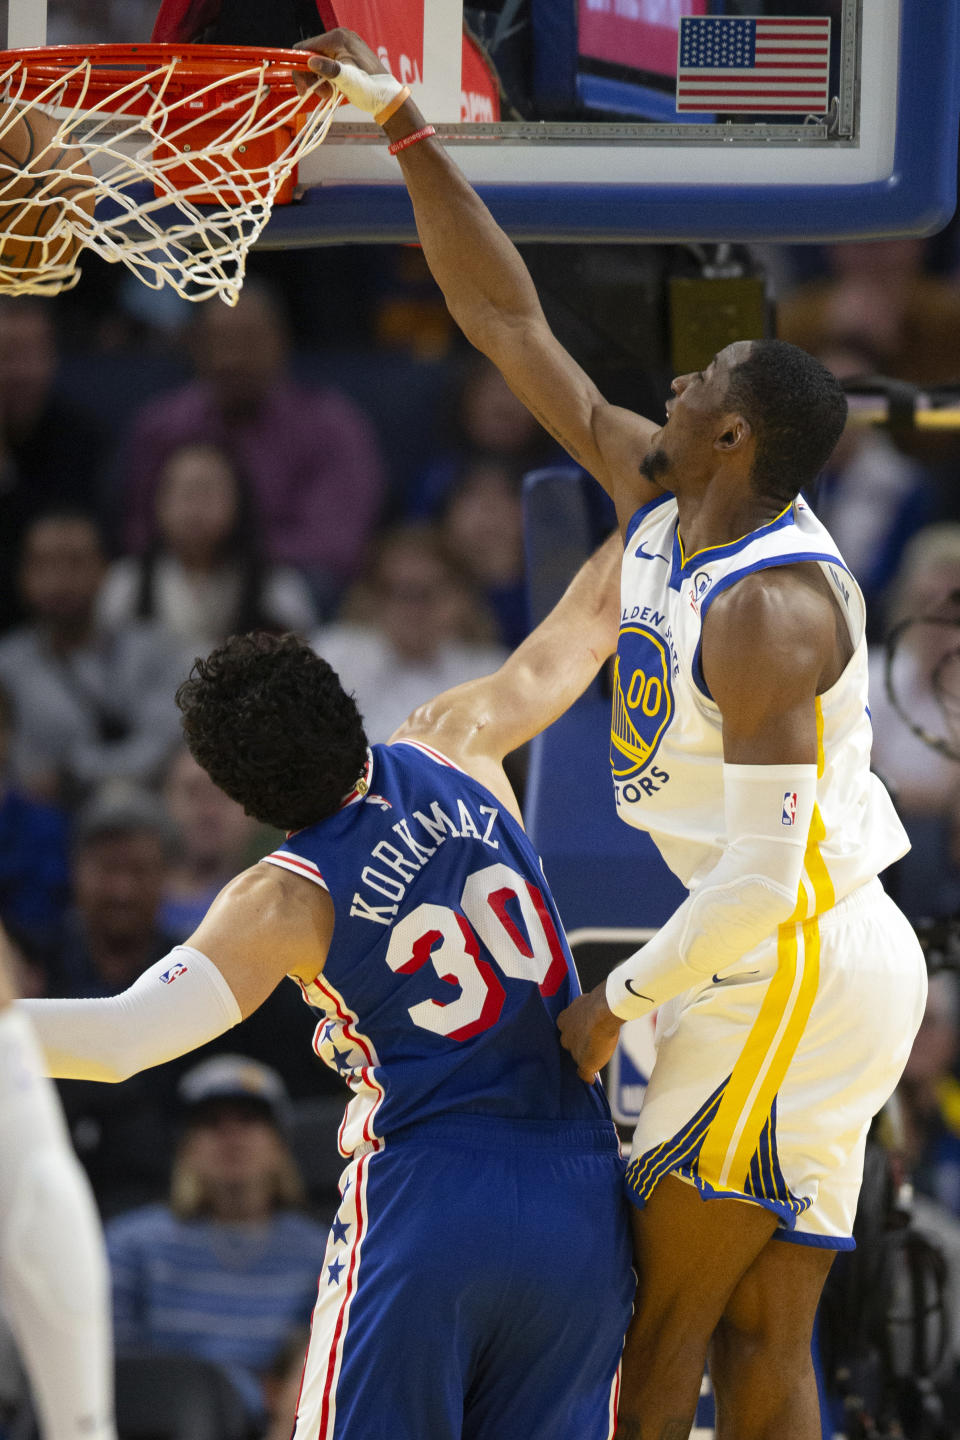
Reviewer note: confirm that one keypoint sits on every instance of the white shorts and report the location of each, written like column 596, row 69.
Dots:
column 767, row 1078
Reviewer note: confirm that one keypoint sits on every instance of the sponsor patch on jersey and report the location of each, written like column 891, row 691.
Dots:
column 699, row 586
column 174, row 973
column 642, row 699
column 789, row 813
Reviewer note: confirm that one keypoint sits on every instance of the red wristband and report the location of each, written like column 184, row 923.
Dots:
column 409, row 140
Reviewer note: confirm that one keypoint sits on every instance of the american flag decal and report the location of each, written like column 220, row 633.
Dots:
column 775, row 65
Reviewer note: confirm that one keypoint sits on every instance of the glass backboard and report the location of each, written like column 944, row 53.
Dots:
column 635, row 120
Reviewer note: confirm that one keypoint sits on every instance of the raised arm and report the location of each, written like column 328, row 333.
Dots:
column 477, row 724
column 488, row 289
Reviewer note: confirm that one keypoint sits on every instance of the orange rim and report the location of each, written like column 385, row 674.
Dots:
column 114, row 67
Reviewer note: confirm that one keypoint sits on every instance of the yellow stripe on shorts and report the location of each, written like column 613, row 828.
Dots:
column 732, row 1139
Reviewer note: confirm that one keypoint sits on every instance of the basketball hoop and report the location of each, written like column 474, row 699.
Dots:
column 190, row 147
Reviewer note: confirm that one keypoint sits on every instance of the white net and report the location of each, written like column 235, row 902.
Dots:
column 187, row 161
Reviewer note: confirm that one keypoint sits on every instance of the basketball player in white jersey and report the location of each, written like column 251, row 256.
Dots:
column 789, row 987
column 54, row 1280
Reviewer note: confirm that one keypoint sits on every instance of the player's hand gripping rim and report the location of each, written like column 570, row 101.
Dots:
column 349, row 66
column 590, row 1031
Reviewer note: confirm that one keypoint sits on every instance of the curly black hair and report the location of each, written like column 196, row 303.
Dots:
column 271, row 724
column 797, row 409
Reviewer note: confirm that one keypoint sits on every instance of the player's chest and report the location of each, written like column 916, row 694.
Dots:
column 661, row 620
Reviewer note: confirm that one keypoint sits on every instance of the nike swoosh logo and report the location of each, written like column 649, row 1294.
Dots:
column 628, row 984
column 642, row 554
column 719, row 979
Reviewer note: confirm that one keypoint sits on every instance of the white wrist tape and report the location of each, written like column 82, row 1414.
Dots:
column 178, row 1004
column 370, row 93
column 53, row 1266
column 751, row 890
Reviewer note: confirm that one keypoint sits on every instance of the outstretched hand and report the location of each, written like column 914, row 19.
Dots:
column 590, row 1031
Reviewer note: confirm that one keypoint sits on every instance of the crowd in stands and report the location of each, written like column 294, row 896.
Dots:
column 170, row 476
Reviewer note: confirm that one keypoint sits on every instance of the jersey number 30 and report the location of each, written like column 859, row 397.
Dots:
column 449, row 941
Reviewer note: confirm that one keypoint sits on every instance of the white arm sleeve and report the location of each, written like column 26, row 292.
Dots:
column 178, row 1004
column 751, row 890
column 53, row 1268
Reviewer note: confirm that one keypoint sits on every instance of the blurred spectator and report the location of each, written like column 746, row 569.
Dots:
column 879, row 295
column 91, row 701
column 929, row 1098
column 33, row 851
column 418, row 632
column 871, row 497
column 122, row 847
column 485, row 421
column 204, row 576
column 228, row 1269
column 482, row 529
column 921, row 778
column 216, row 841
column 311, row 454
column 49, row 452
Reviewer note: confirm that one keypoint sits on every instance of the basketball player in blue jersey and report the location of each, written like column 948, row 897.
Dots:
column 789, row 987
column 477, row 1280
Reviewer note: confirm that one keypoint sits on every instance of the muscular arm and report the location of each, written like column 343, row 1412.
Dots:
column 477, row 724
column 770, row 646
column 265, row 924
column 489, row 293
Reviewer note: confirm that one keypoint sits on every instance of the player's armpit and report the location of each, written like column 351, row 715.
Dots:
column 767, row 644
column 266, row 924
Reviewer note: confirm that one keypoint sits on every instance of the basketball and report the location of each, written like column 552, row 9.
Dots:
column 46, row 198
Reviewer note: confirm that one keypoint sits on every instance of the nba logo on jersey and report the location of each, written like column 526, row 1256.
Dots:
column 789, row 815
column 173, row 973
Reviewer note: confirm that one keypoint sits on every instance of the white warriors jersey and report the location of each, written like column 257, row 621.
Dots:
column 666, row 746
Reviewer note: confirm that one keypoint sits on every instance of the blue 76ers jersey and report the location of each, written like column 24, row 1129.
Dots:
column 448, row 965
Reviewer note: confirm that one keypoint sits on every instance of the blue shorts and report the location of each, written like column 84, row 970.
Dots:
column 477, row 1284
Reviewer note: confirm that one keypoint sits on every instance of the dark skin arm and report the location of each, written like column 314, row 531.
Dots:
column 489, row 293
column 771, row 645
